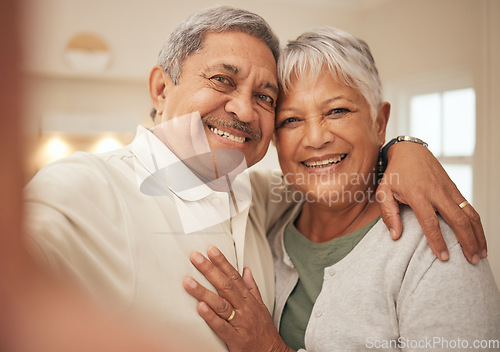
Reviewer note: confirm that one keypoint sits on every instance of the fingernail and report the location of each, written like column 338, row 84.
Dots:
column 203, row 307
column 475, row 259
column 444, row 255
column 393, row 233
column 213, row 250
column 197, row 257
column 484, row 254
column 190, row 282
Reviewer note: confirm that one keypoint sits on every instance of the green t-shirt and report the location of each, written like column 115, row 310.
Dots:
column 310, row 259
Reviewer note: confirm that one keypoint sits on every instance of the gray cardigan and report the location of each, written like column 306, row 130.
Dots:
column 396, row 296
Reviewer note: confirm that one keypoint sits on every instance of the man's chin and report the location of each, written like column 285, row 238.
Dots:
column 229, row 161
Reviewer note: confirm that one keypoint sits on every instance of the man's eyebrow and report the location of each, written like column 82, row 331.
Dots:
column 234, row 70
column 226, row 67
column 272, row 88
column 231, row 68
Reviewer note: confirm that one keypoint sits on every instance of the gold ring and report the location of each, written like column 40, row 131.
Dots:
column 463, row 204
column 231, row 316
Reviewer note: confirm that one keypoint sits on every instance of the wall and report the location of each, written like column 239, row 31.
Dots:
column 488, row 162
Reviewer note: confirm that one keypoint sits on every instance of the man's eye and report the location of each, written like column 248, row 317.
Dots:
column 266, row 98
column 221, row 79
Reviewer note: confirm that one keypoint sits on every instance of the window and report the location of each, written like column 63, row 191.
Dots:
column 447, row 121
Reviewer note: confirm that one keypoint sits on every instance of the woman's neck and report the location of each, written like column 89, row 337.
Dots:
column 321, row 223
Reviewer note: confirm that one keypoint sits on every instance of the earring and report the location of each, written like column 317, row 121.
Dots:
column 380, row 164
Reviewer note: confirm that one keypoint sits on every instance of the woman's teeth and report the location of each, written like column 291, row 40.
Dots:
column 227, row 135
column 326, row 162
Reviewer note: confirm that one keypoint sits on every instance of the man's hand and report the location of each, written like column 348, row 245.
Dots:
column 414, row 176
column 238, row 316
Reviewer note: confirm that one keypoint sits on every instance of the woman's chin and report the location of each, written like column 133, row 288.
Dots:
column 337, row 195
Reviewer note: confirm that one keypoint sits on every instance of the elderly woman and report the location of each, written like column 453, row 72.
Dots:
column 341, row 284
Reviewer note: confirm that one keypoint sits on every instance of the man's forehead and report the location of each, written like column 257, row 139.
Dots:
column 221, row 39
column 233, row 52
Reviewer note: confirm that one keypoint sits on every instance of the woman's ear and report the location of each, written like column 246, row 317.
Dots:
column 381, row 121
column 157, row 88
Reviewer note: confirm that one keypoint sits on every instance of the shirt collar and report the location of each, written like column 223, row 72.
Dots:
column 156, row 162
column 162, row 165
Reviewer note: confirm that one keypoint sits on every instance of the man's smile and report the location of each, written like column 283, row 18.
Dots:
column 226, row 134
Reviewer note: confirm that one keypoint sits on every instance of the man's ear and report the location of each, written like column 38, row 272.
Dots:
column 157, row 88
column 381, row 121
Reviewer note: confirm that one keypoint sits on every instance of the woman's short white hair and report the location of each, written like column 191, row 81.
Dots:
column 347, row 57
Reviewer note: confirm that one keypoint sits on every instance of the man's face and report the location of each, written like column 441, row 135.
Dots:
column 231, row 81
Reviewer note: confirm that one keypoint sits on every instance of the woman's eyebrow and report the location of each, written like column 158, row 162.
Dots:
column 340, row 97
column 292, row 109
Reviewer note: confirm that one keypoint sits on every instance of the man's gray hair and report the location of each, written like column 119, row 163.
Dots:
column 188, row 36
column 348, row 58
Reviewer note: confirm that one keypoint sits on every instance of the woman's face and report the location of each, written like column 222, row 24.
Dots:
column 327, row 141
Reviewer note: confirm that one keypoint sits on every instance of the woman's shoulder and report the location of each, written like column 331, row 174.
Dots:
column 410, row 252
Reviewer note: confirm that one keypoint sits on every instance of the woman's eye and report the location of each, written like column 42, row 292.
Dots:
column 338, row 112
column 288, row 122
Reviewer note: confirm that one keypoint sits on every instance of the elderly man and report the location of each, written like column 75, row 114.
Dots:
column 123, row 224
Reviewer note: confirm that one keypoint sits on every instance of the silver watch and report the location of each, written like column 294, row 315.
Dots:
column 383, row 151
column 411, row 139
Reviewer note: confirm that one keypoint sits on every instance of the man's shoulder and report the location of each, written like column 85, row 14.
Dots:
column 67, row 170
column 264, row 177
column 70, row 194
column 78, row 173
column 269, row 197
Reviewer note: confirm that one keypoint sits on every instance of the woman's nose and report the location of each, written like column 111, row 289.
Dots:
column 317, row 133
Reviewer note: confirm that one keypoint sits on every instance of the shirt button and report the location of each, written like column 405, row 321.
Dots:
column 331, row 271
column 216, row 201
column 318, row 314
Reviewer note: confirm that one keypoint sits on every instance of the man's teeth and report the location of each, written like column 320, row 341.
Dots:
column 227, row 135
column 325, row 162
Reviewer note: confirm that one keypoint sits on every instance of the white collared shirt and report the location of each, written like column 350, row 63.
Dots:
column 90, row 222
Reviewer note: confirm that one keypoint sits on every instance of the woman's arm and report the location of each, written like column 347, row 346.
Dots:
column 237, row 315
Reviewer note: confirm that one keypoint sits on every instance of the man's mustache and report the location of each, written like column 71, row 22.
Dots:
column 233, row 123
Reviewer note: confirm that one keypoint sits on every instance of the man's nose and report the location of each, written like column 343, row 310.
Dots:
column 241, row 104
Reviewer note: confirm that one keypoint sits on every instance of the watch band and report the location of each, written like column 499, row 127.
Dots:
column 398, row 139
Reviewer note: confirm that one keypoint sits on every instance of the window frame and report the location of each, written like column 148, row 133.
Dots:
column 404, row 89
